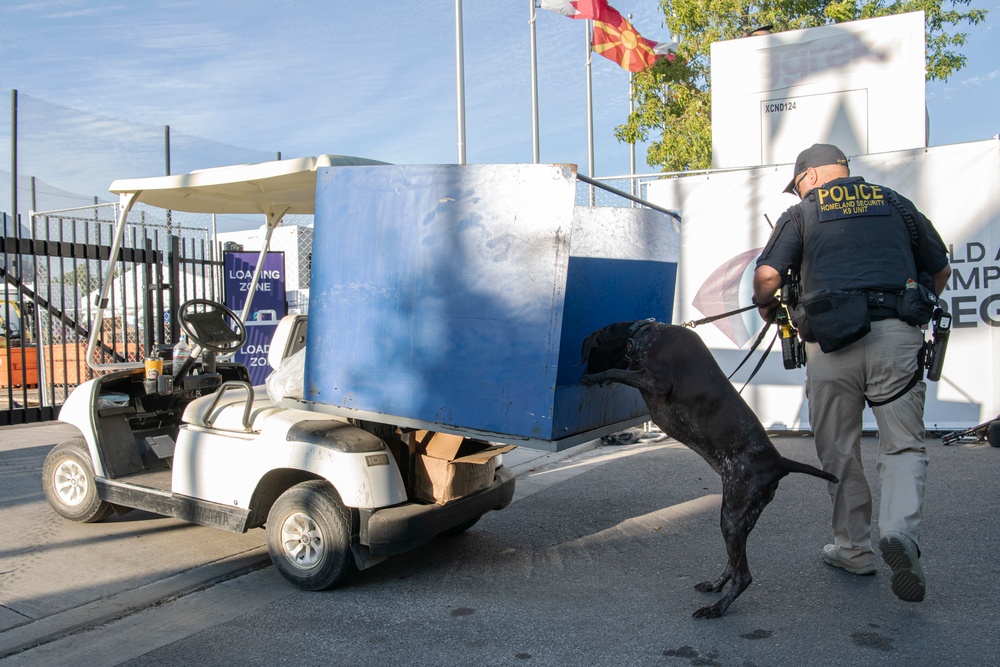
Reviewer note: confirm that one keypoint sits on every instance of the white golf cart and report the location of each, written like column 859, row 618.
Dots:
column 209, row 448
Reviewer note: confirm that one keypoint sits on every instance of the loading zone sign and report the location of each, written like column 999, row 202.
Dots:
column 267, row 309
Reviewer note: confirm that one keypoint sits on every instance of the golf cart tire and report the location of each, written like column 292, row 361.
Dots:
column 69, row 485
column 309, row 536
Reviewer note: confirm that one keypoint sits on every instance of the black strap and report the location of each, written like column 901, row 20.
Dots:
column 760, row 363
column 712, row 318
column 753, row 347
column 918, row 375
column 907, row 218
column 756, row 343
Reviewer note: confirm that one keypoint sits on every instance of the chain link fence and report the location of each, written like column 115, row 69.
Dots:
column 68, row 157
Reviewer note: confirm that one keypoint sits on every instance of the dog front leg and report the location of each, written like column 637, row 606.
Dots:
column 640, row 379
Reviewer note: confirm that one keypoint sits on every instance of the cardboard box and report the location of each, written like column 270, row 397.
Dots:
column 448, row 467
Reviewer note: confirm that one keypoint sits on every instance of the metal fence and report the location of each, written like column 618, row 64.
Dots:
column 52, row 270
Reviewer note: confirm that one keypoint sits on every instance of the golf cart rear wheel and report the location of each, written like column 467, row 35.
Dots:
column 68, row 483
column 309, row 536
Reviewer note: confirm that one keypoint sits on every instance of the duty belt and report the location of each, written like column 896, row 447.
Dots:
column 882, row 303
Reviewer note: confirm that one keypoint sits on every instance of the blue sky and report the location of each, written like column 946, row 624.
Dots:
column 368, row 78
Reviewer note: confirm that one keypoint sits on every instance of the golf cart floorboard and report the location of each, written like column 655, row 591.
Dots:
column 152, row 479
column 150, row 491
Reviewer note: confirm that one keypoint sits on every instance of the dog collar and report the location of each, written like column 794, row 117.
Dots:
column 632, row 331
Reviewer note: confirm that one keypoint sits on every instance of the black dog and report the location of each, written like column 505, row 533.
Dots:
column 692, row 401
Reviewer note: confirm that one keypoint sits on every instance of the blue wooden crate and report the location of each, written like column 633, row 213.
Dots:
column 457, row 297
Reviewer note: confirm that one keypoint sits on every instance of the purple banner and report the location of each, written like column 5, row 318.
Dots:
column 268, row 306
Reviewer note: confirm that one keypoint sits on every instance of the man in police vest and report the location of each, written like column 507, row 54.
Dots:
column 849, row 238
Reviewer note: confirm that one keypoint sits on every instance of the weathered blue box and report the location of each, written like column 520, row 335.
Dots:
column 457, row 297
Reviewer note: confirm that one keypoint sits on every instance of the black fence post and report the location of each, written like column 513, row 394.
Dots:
column 147, row 307
column 174, row 286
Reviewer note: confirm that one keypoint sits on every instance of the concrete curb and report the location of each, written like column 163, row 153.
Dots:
column 99, row 612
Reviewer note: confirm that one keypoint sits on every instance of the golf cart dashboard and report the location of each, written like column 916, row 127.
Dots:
column 126, row 393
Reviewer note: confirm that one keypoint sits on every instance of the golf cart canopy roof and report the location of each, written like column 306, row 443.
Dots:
column 272, row 188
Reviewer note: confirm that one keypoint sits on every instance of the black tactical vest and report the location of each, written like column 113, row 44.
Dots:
column 854, row 238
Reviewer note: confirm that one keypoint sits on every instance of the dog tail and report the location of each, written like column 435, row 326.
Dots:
column 795, row 466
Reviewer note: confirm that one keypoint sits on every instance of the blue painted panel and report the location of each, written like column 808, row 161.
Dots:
column 598, row 292
column 601, row 291
column 437, row 293
column 460, row 295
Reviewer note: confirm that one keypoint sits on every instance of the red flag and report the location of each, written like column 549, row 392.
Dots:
column 581, row 9
column 617, row 40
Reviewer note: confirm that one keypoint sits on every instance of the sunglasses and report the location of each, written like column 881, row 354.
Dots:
column 796, row 184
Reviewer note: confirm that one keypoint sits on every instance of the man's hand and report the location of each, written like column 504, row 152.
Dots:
column 767, row 310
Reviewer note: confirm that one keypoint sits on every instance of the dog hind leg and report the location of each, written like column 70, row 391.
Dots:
column 738, row 518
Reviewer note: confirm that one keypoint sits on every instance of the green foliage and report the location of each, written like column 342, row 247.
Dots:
column 673, row 99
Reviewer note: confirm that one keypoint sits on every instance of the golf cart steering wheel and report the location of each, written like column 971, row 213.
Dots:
column 208, row 327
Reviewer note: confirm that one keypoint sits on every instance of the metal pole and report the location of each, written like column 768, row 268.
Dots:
column 215, row 237
column 13, row 156
column 460, row 81
column 631, row 110
column 534, row 85
column 590, row 107
column 622, row 193
column 166, row 153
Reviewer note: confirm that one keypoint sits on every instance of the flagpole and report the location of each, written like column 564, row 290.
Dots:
column 534, row 85
column 631, row 110
column 590, row 108
column 460, row 81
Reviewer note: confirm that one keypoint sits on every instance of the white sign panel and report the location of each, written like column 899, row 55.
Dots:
column 726, row 218
column 785, row 120
column 859, row 85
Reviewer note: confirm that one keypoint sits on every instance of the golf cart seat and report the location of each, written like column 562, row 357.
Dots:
column 237, row 406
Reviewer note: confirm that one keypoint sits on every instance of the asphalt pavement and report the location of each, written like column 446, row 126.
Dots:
column 58, row 577
column 594, row 563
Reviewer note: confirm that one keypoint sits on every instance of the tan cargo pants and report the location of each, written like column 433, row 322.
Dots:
column 877, row 366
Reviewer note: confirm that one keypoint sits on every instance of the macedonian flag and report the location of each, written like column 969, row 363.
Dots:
column 617, row 40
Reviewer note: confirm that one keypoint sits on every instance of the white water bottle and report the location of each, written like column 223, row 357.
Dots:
column 181, row 354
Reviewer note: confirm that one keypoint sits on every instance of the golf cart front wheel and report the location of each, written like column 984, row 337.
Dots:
column 68, row 483
column 309, row 536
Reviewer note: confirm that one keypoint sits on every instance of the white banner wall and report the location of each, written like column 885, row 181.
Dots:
column 725, row 224
column 859, row 85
